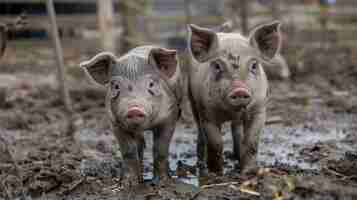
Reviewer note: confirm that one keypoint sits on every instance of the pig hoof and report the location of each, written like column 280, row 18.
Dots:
column 236, row 167
column 203, row 172
column 202, row 169
column 155, row 181
column 158, row 180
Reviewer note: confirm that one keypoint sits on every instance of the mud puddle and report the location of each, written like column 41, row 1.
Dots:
column 302, row 147
column 308, row 145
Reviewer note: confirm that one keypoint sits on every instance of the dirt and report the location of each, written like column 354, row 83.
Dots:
column 308, row 149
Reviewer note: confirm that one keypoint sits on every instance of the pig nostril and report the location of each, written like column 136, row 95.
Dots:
column 140, row 115
column 239, row 95
column 135, row 114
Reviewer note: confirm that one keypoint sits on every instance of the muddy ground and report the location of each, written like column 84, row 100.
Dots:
column 308, row 149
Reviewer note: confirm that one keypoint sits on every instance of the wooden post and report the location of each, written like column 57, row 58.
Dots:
column 188, row 11
column 244, row 10
column 275, row 9
column 60, row 65
column 324, row 12
column 128, row 21
column 106, row 24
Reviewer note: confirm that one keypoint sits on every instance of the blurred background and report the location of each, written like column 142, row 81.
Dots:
column 85, row 25
column 45, row 96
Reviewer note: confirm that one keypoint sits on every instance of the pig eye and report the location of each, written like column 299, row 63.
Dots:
column 152, row 90
column 216, row 67
column 151, row 84
column 254, row 67
column 115, row 91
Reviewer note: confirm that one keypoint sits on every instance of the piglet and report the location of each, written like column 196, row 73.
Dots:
column 144, row 92
column 227, row 83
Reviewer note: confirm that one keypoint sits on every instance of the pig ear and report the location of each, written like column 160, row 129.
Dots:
column 3, row 39
column 202, row 42
column 165, row 60
column 98, row 67
column 267, row 39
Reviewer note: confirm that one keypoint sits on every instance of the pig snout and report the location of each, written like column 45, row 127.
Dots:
column 240, row 93
column 135, row 113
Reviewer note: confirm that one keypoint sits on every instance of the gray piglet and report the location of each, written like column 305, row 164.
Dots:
column 144, row 90
column 227, row 83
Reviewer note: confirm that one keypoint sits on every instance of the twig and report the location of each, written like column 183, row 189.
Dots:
column 65, row 97
column 248, row 191
column 195, row 195
column 219, row 184
column 274, row 120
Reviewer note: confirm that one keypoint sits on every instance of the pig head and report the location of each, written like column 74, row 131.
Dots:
column 227, row 83
column 143, row 93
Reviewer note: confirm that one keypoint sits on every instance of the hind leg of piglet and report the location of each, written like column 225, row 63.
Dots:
column 253, row 126
column 132, row 166
column 162, row 138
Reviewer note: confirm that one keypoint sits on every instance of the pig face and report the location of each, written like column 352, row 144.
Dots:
column 136, row 83
column 233, row 64
column 135, row 103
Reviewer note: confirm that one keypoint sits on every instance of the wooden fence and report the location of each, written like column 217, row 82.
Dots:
column 302, row 18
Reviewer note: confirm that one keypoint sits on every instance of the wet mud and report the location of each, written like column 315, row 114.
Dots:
column 308, row 149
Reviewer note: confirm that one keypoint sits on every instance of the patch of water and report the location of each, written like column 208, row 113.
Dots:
column 182, row 148
column 279, row 144
column 283, row 145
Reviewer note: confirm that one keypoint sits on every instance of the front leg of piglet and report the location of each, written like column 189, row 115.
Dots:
column 202, row 152
column 214, row 139
column 253, row 125
column 130, row 147
column 162, row 137
column 236, row 128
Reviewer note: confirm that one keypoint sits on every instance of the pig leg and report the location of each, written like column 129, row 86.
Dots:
column 201, row 147
column 214, row 147
column 141, row 147
column 202, row 152
column 162, row 139
column 236, row 129
column 253, row 126
column 129, row 147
